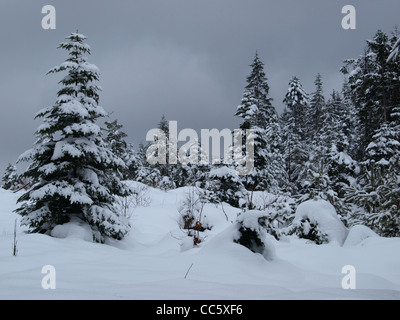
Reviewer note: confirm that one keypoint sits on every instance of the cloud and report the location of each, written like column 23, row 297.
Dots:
column 183, row 58
column 156, row 79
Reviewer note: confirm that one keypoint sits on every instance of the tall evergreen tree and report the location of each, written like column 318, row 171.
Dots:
column 374, row 82
column 374, row 86
column 297, row 101
column 295, row 129
column 329, row 168
column 115, row 138
column 70, row 160
column 379, row 191
column 333, row 123
column 316, row 106
column 258, row 114
column 353, row 126
column 166, row 179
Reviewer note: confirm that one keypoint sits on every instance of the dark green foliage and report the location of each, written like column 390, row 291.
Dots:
column 252, row 229
column 10, row 178
column 251, row 240
column 115, row 141
column 305, row 229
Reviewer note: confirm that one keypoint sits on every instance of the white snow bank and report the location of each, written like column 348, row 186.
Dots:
column 324, row 214
column 76, row 229
column 149, row 264
column 357, row 234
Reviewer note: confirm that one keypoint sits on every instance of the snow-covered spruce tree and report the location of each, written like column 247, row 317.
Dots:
column 146, row 173
column 294, row 133
column 377, row 191
column 374, row 86
column 329, row 168
column 315, row 110
column 10, row 178
column 224, row 185
column 315, row 180
column 352, row 123
column 384, row 151
column 259, row 115
column 132, row 163
column 307, row 229
column 374, row 83
column 160, row 169
column 115, row 140
column 337, row 142
column 294, row 152
column 188, row 171
column 297, row 101
column 165, row 168
column 75, row 170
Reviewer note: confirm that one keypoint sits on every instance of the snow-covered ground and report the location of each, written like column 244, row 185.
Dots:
column 153, row 260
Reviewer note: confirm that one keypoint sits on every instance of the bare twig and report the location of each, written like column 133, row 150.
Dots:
column 188, row 270
column 223, row 210
column 15, row 250
column 139, row 198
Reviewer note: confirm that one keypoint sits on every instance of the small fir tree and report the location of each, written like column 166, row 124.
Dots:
column 10, row 178
column 224, row 185
column 115, row 141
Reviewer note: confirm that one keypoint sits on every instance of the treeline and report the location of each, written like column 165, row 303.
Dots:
column 343, row 148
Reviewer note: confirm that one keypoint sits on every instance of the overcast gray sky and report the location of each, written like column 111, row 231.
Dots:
column 187, row 59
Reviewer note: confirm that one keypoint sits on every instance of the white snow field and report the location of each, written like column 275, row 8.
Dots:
column 152, row 261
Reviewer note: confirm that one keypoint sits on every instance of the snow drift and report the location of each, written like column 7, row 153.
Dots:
column 149, row 262
column 358, row 234
column 323, row 214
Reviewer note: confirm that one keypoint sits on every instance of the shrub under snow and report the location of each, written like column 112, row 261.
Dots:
column 318, row 221
column 252, row 233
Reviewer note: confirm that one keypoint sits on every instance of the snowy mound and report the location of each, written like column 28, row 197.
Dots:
column 76, row 228
column 357, row 234
column 149, row 263
column 252, row 234
column 323, row 214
